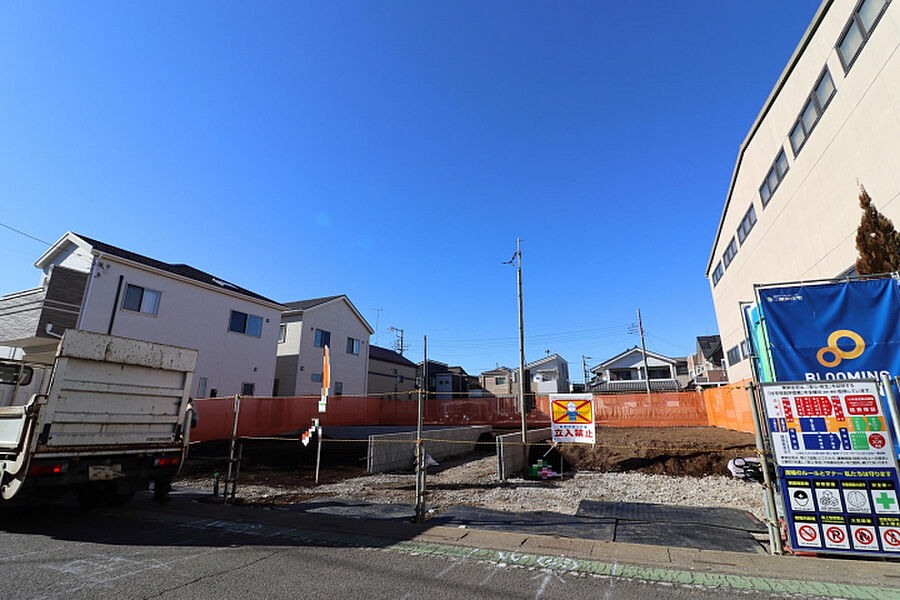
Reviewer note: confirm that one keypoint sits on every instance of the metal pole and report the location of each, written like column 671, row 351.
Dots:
column 892, row 403
column 775, row 545
column 584, row 369
column 237, row 470
column 234, row 428
column 420, row 449
column 644, row 352
column 318, row 452
column 522, row 357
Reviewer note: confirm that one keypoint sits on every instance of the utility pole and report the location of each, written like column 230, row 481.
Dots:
column 398, row 343
column 522, row 355
column 421, row 465
column 584, row 360
column 644, row 352
column 377, row 319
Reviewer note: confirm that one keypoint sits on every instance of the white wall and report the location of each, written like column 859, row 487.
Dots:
column 807, row 230
column 340, row 320
column 190, row 316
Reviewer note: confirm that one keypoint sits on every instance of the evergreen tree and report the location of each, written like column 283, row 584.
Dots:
column 877, row 241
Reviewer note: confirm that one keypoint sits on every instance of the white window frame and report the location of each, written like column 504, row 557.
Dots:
column 144, row 291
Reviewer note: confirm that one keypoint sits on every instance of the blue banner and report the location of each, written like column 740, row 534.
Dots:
column 847, row 330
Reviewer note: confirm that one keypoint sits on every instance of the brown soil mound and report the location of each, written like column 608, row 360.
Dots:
column 694, row 451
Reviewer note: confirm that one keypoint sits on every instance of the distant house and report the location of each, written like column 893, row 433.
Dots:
column 446, row 382
column 91, row 285
column 625, row 373
column 307, row 326
column 391, row 375
column 502, row 381
column 549, row 375
column 706, row 367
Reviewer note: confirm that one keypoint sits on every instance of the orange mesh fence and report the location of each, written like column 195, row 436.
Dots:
column 274, row 416
column 729, row 407
column 658, row 409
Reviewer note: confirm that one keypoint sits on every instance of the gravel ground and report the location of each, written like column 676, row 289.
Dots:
column 473, row 482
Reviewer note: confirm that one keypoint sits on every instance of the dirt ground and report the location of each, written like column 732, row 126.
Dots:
column 693, row 451
column 679, row 466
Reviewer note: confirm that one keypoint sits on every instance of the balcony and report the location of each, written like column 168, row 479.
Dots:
column 26, row 316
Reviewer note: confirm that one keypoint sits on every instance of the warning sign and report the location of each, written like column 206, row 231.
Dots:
column 573, row 417
column 836, row 537
column 890, row 539
column 864, row 537
column 808, row 535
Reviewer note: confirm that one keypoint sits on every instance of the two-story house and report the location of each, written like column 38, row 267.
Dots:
column 391, row 375
column 94, row 286
column 549, row 375
column 502, row 381
column 307, row 326
column 706, row 366
column 626, row 372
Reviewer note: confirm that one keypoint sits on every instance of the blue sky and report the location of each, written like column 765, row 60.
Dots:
column 394, row 151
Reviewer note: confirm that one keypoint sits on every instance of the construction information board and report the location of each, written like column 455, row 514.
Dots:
column 573, row 418
column 836, row 468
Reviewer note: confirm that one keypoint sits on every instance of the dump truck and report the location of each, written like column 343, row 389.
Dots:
column 111, row 416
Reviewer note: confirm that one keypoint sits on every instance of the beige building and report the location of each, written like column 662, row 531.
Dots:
column 832, row 121
column 391, row 375
column 307, row 326
column 501, row 381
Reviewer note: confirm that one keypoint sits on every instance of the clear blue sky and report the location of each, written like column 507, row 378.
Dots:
column 393, row 151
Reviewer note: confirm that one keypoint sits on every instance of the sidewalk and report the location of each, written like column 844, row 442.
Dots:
column 830, row 577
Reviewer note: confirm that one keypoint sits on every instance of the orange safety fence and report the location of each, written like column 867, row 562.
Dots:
column 261, row 416
column 729, row 407
column 657, row 409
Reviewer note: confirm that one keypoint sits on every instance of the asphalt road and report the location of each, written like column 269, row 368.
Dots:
column 60, row 552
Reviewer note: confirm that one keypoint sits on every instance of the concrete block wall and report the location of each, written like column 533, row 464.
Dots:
column 385, row 454
column 510, row 457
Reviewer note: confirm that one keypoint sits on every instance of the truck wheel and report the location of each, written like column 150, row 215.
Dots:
column 161, row 489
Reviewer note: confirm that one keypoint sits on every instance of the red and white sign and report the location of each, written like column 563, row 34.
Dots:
column 890, row 538
column 876, row 440
column 808, row 535
column 836, row 537
column 864, row 537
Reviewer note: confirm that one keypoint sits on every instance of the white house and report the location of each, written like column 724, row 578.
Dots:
column 307, row 326
column 549, row 375
column 98, row 287
column 625, row 372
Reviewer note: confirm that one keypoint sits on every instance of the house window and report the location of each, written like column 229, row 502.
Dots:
column 859, row 29
column 499, row 380
column 201, row 387
column 316, row 377
column 338, row 388
column 734, row 355
column 812, row 111
column 747, row 224
column 323, row 338
column 243, row 323
column 773, row 178
column 717, row 273
column 139, row 299
column 247, row 389
column 352, row 346
column 282, row 333
column 730, row 251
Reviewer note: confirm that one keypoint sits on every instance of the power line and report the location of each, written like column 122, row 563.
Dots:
column 28, row 235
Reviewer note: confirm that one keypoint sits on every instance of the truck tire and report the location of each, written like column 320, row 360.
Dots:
column 161, row 489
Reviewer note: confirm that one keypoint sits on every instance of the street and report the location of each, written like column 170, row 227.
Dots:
column 142, row 551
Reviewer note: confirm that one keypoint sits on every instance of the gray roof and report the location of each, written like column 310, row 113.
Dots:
column 637, row 385
column 549, row 358
column 177, row 269
column 388, row 355
column 304, row 304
